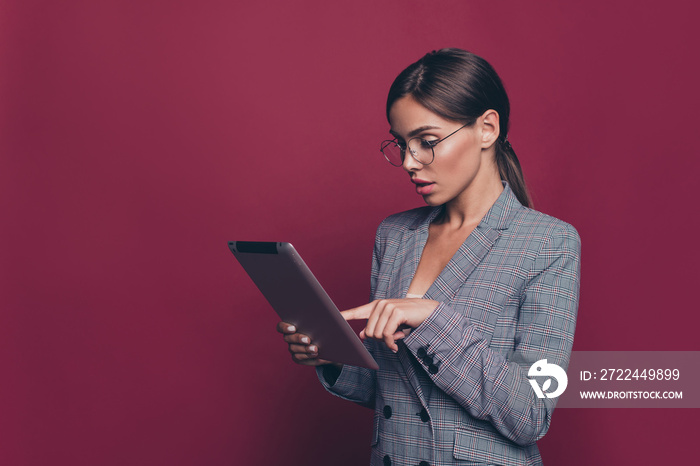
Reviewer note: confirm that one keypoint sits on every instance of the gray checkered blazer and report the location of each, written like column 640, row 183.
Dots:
column 457, row 392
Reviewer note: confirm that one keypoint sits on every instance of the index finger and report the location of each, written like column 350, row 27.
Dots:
column 360, row 312
column 284, row 327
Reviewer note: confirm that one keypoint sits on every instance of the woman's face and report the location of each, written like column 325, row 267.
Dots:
column 460, row 163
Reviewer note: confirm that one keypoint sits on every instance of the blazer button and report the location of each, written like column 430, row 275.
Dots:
column 422, row 352
column 387, row 411
column 424, row 415
column 423, row 463
column 387, row 460
column 433, row 369
column 427, row 360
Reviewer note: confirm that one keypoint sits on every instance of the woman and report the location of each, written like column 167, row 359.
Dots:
column 468, row 292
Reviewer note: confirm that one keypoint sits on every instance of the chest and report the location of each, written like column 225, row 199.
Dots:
column 440, row 248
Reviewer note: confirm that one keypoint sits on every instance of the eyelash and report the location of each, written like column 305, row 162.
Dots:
column 430, row 142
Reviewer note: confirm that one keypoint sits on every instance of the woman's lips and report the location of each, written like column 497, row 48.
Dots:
column 423, row 187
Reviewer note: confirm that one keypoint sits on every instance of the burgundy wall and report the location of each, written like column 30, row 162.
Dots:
column 139, row 137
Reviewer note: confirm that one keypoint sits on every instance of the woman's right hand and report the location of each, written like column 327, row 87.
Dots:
column 303, row 350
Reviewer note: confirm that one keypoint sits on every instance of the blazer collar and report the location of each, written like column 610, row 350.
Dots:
column 498, row 217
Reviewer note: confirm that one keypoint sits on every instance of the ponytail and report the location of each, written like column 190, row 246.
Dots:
column 510, row 171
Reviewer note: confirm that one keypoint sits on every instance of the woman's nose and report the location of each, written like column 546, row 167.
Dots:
column 410, row 163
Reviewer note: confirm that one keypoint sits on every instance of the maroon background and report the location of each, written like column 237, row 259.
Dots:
column 139, row 137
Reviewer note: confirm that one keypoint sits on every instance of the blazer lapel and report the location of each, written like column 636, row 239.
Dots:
column 462, row 264
column 474, row 249
column 409, row 254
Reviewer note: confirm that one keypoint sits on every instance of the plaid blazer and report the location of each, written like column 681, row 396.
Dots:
column 457, row 391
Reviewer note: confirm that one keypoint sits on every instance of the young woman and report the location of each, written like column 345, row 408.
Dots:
column 467, row 293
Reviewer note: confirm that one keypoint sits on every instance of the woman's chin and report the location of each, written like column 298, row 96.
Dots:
column 432, row 200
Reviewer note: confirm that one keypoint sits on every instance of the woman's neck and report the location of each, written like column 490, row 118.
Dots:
column 467, row 209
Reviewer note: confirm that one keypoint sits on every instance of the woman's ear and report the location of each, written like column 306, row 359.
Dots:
column 490, row 128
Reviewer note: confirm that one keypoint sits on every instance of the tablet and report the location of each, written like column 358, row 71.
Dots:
column 299, row 299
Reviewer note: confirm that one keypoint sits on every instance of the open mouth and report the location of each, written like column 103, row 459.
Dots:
column 424, row 188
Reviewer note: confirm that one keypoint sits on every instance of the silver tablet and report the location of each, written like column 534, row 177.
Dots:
column 294, row 293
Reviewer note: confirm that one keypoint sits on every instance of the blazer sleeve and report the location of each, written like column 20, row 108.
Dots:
column 358, row 384
column 492, row 386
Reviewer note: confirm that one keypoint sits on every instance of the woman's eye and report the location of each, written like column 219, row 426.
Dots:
column 428, row 143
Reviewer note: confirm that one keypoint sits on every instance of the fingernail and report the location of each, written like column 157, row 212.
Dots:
column 313, row 348
column 394, row 350
column 305, row 340
column 291, row 328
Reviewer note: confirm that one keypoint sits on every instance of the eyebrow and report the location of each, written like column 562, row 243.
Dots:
column 415, row 131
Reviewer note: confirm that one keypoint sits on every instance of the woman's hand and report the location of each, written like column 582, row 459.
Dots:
column 387, row 317
column 303, row 350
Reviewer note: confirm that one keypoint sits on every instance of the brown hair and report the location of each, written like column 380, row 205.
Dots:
column 461, row 86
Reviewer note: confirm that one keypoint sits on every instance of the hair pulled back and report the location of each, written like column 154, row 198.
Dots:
column 460, row 86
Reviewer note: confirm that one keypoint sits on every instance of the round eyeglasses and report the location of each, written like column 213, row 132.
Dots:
column 422, row 150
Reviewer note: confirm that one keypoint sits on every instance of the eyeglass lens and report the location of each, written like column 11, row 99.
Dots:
column 419, row 148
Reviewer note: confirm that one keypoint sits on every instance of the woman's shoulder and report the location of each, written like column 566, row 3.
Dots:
column 530, row 217
column 541, row 227
column 409, row 219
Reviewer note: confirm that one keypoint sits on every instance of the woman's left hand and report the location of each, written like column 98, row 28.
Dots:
column 386, row 316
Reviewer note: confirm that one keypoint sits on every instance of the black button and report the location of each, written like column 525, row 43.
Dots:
column 422, row 352
column 387, row 411
column 433, row 369
column 423, row 463
column 427, row 360
column 387, row 460
column 424, row 415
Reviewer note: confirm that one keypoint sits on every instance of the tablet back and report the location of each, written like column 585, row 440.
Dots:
column 299, row 299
